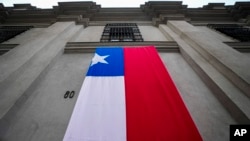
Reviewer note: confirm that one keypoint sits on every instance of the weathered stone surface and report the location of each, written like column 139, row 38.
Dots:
column 25, row 66
column 232, row 98
column 228, row 61
column 50, row 59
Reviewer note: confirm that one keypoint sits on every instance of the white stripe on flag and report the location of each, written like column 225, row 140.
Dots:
column 99, row 113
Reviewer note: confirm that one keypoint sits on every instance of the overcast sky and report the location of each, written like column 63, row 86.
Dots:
column 114, row 3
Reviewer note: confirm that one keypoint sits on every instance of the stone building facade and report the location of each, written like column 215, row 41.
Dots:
column 46, row 52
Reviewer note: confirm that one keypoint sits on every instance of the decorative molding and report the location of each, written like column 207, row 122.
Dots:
column 155, row 11
column 86, row 47
column 6, row 47
column 239, row 46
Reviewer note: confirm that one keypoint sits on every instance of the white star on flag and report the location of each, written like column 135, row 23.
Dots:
column 99, row 59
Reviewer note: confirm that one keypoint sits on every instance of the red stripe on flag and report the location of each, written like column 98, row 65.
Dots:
column 154, row 108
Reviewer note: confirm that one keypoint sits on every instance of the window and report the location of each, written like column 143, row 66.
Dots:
column 8, row 32
column 233, row 30
column 121, row 32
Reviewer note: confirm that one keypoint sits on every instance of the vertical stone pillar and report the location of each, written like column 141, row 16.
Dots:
column 210, row 62
column 228, row 61
column 22, row 67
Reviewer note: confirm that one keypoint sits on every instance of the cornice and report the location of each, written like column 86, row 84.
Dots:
column 155, row 11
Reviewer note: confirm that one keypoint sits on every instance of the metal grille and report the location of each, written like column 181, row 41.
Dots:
column 233, row 30
column 121, row 32
column 8, row 32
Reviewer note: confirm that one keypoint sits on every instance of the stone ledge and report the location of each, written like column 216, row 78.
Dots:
column 83, row 47
column 6, row 47
column 103, row 23
column 239, row 46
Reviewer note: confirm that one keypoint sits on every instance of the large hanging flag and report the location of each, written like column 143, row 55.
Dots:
column 128, row 95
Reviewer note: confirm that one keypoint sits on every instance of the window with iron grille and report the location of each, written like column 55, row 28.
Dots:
column 121, row 32
column 8, row 32
column 233, row 30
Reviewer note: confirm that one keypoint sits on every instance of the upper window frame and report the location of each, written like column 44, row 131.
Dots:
column 121, row 32
column 235, row 31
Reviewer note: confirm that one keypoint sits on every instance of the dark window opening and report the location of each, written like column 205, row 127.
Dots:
column 121, row 32
column 8, row 32
column 233, row 30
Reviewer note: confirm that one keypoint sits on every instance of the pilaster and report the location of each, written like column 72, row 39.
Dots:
column 23, row 65
column 228, row 61
column 217, row 64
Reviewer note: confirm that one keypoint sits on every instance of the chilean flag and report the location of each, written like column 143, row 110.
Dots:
column 128, row 95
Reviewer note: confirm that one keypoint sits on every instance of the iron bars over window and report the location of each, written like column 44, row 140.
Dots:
column 8, row 32
column 121, row 32
column 233, row 30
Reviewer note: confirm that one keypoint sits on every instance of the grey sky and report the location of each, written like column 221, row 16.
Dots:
column 114, row 3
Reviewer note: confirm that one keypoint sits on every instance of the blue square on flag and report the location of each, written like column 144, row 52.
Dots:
column 107, row 62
